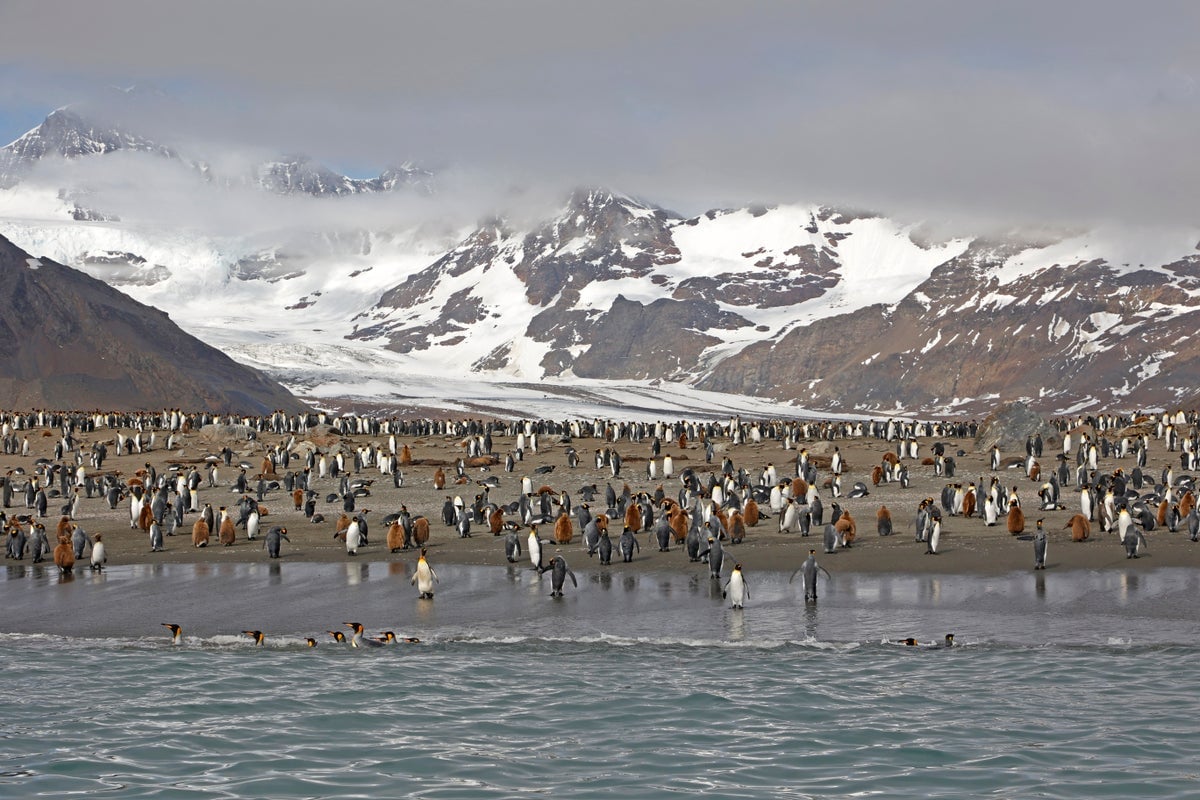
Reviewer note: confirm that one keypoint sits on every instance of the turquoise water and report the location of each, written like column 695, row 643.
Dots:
column 643, row 689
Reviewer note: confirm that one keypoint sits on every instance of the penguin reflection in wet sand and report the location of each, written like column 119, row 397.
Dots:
column 809, row 568
column 736, row 588
column 424, row 578
column 558, row 575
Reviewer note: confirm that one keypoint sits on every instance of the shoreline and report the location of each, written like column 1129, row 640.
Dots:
column 967, row 546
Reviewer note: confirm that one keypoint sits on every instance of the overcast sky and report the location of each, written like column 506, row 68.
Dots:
column 962, row 111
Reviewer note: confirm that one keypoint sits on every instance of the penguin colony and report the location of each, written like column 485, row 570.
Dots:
column 692, row 499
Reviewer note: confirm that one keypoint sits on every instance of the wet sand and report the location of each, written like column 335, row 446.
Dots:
column 967, row 545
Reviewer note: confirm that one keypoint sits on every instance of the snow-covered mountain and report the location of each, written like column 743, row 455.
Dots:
column 611, row 297
column 68, row 134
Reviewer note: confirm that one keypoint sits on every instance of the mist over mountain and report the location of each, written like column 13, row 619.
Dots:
column 351, row 287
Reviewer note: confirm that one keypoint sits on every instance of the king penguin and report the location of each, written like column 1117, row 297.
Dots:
column 424, row 578
column 736, row 588
column 176, row 632
column 1039, row 547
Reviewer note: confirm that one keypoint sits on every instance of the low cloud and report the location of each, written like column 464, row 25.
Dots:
column 968, row 114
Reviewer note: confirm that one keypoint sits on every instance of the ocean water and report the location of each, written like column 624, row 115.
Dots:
column 1067, row 685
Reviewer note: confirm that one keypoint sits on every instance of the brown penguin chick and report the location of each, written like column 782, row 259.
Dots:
column 1016, row 520
column 1081, row 528
column 64, row 556
column 200, row 533
column 395, row 537
column 226, row 534
column 736, row 528
column 750, row 513
column 679, row 524
column 846, row 527
column 633, row 517
column 563, row 529
column 420, row 531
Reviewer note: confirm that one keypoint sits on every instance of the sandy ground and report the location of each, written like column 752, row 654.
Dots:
column 967, row 545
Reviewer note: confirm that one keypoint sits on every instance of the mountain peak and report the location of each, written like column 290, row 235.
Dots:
column 65, row 133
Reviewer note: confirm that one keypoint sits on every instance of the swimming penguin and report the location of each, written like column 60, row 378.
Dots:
column 809, row 570
column 558, row 575
column 339, row 637
column 1039, row 547
column 948, row 641
column 99, row 557
column 424, row 578
column 272, row 541
column 357, row 639
column 311, row 642
column 257, row 636
column 736, row 588
column 176, row 632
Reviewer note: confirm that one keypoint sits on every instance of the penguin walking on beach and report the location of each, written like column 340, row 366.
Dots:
column 830, row 538
column 273, row 540
column 935, row 537
column 536, row 551
column 353, row 538
column 512, row 547
column 40, row 545
column 424, row 578
column 1039, row 547
column 809, row 569
column 716, row 557
column 156, row 538
column 99, row 557
column 628, row 543
column 1135, row 542
column 736, row 588
column 559, row 572
column 604, row 547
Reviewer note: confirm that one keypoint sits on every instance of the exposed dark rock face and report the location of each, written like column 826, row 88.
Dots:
column 1011, row 425
column 73, row 342
column 1061, row 337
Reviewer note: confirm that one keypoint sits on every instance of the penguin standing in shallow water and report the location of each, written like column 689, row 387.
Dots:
column 809, row 570
column 559, row 571
column 424, row 578
column 736, row 588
